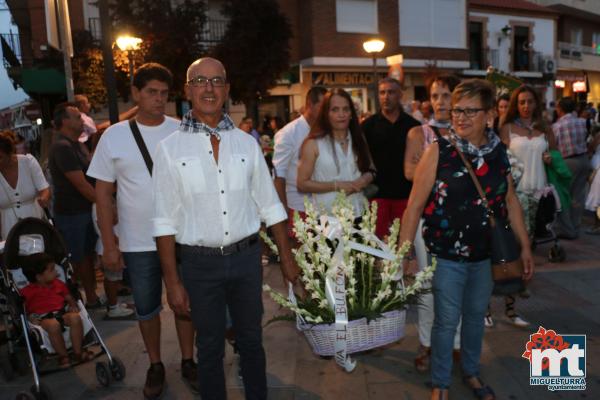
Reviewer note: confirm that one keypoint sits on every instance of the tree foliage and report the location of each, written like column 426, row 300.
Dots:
column 255, row 49
column 88, row 69
column 171, row 31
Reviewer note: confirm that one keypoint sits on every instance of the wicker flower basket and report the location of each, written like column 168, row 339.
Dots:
column 361, row 335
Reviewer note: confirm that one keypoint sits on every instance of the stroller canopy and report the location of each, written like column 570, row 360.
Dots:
column 53, row 242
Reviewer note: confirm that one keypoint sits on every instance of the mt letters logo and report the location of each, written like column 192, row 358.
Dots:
column 556, row 361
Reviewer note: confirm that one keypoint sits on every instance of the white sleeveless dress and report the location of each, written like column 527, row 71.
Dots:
column 333, row 164
column 530, row 152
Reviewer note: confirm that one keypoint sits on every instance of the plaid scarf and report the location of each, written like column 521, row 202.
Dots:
column 192, row 125
column 467, row 147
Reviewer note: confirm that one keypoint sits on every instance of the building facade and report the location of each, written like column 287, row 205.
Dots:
column 327, row 47
column 516, row 37
column 578, row 36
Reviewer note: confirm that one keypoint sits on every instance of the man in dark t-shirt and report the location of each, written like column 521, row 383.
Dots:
column 73, row 196
column 386, row 134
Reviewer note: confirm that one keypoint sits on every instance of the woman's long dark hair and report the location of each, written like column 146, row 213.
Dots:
column 322, row 128
column 513, row 108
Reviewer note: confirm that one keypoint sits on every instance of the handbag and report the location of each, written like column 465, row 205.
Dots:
column 506, row 252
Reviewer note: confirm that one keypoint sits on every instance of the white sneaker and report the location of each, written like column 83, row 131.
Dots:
column 119, row 311
column 518, row 322
column 488, row 321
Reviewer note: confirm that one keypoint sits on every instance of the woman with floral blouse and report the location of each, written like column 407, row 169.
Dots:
column 456, row 230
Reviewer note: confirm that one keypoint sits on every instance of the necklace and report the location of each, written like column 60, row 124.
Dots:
column 342, row 142
column 528, row 127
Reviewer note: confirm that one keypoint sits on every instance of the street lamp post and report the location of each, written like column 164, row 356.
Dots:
column 129, row 44
column 374, row 47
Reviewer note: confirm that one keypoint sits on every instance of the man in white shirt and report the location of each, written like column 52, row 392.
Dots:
column 118, row 161
column 286, row 153
column 212, row 189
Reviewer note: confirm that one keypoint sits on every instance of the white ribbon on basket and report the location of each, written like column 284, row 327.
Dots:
column 335, row 288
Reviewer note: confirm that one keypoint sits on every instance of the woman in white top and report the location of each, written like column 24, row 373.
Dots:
column 335, row 157
column 419, row 138
column 529, row 138
column 24, row 189
column 592, row 202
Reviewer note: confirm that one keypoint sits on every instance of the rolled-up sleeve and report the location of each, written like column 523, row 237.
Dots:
column 282, row 153
column 166, row 195
column 263, row 192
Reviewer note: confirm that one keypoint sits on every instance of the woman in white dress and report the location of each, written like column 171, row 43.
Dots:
column 335, row 157
column 529, row 138
column 592, row 202
column 24, row 189
column 419, row 138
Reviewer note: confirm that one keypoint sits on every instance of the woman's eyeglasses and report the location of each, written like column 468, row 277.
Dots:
column 469, row 112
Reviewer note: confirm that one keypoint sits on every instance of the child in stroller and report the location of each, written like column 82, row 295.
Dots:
column 49, row 304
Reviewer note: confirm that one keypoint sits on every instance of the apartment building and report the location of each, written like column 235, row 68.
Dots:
column 578, row 35
column 514, row 36
column 327, row 47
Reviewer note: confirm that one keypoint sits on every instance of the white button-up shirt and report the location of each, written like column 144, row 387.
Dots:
column 205, row 204
column 285, row 159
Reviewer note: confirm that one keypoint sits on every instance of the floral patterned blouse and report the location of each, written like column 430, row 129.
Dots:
column 456, row 224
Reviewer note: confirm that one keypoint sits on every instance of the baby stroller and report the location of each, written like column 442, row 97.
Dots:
column 29, row 236
column 545, row 218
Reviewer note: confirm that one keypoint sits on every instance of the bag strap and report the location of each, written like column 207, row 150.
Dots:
column 476, row 182
column 436, row 131
column 141, row 145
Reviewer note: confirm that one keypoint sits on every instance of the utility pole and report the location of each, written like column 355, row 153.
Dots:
column 107, row 57
column 66, row 44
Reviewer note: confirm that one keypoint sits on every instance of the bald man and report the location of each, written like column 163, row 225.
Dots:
column 212, row 190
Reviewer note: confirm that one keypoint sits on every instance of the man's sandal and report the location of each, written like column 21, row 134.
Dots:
column 480, row 390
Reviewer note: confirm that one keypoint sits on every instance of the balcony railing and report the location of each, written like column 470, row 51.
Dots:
column 576, row 51
column 95, row 28
column 214, row 31
column 11, row 49
column 484, row 59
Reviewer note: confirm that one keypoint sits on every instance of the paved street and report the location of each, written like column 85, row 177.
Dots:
column 565, row 298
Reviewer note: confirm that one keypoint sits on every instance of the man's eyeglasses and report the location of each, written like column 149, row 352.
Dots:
column 469, row 112
column 202, row 81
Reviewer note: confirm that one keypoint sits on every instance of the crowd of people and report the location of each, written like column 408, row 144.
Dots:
column 182, row 202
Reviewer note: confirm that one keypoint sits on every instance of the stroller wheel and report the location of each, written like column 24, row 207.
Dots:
column 41, row 393
column 117, row 368
column 103, row 373
column 556, row 254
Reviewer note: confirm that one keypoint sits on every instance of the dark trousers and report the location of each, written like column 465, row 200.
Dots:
column 213, row 282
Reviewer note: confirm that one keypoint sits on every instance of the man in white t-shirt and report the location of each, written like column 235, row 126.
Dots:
column 287, row 149
column 118, row 160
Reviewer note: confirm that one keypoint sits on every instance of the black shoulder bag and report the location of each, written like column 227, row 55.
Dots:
column 149, row 164
column 506, row 253
column 141, row 145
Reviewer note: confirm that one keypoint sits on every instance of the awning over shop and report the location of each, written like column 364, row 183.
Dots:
column 43, row 81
